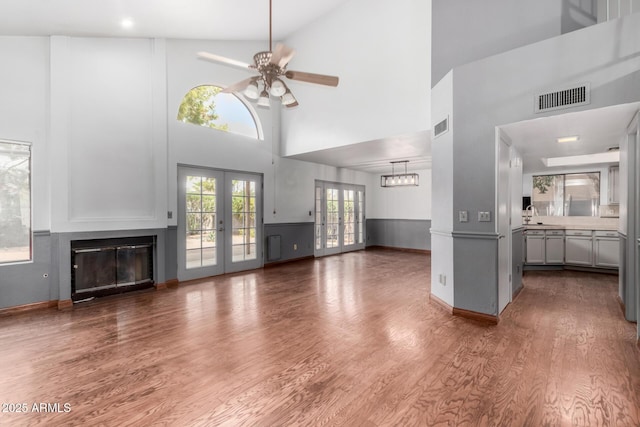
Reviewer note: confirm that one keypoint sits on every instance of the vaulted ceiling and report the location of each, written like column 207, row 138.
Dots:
column 248, row 20
column 194, row 19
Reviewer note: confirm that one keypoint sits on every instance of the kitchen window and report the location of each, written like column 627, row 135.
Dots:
column 572, row 194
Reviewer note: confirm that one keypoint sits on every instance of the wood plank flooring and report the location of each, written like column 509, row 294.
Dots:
column 348, row 340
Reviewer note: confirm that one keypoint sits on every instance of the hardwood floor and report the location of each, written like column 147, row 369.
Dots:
column 345, row 340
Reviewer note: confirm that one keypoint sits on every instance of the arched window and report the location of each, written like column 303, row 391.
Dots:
column 206, row 106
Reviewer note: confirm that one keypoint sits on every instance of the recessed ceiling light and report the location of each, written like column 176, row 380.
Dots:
column 568, row 139
column 127, row 23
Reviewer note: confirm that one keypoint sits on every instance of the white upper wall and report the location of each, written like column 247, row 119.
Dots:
column 24, row 85
column 288, row 184
column 464, row 31
column 107, row 134
column 400, row 202
column 381, row 52
column 606, row 55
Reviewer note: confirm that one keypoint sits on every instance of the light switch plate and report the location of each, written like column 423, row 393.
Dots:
column 484, row 216
column 463, row 216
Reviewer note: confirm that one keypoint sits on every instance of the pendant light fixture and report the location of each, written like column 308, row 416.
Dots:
column 400, row 179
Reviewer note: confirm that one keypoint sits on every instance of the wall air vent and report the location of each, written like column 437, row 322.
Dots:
column 564, row 98
column 441, row 127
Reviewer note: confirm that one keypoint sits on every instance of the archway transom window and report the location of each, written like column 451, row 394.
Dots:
column 206, row 106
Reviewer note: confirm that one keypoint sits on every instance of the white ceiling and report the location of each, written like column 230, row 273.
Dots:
column 375, row 156
column 598, row 129
column 193, row 19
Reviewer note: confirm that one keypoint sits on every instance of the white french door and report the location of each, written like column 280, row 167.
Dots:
column 339, row 219
column 219, row 222
column 243, row 201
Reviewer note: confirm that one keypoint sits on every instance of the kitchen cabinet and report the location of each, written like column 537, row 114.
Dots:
column 535, row 243
column 579, row 247
column 584, row 248
column 554, row 247
column 606, row 249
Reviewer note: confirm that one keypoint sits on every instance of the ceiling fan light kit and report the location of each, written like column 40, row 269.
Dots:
column 278, row 88
column 271, row 66
column 252, row 91
column 288, row 98
column 263, row 101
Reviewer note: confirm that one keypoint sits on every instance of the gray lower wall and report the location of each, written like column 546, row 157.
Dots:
column 30, row 282
column 299, row 234
column 517, row 261
column 171, row 253
column 627, row 278
column 48, row 277
column 399, row 233
column 476, row 279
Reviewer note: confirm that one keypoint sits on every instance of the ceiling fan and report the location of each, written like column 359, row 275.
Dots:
column 271, row 66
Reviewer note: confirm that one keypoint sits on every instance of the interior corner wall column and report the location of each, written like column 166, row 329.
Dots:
column 59, row 133
column 160, row 115
column 59, row 128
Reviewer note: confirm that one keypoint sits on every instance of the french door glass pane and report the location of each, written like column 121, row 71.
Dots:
column 318, row 233
column 209, row 256
column 333, row 218
column 194, row 258
column 360, row 217
column 243, row 211
column 201, row 222
column 349, row 218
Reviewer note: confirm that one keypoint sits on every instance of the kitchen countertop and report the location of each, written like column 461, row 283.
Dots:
column 596, row 227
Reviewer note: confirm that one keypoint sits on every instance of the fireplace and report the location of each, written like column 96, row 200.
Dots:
column 109, row 266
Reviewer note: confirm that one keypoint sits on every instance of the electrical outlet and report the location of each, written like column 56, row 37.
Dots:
column 169, row 214
column 484, row 216
column 463, row 216
column 443, row 280
column 295, row 246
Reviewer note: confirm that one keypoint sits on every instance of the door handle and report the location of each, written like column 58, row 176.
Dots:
column 221, row 229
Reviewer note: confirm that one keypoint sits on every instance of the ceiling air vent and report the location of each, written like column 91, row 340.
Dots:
column 563, row 98
column 441, row 127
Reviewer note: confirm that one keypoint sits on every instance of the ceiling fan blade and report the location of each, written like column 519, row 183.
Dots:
column 320, row 79
column 221, row 59
column 282, row 55
column 241, row 85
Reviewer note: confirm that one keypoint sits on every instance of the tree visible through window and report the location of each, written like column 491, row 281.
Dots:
column 206, row 106
column 15, row 202
column 572, row 194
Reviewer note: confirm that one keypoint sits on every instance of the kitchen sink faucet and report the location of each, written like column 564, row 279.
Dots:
column 528, row 214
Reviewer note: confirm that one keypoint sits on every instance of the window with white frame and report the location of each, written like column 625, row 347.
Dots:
column 208, row 106
column 571, row 194
column 15, row 202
